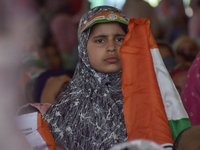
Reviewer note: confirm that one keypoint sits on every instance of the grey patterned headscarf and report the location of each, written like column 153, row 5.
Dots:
column 88, row 114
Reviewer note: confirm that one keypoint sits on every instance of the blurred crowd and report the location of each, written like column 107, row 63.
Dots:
column 48, row 56
column 53, row 51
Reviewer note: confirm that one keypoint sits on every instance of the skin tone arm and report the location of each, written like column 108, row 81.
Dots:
column 53, row 87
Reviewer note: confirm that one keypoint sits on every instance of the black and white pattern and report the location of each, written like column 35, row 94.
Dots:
column 88, row 114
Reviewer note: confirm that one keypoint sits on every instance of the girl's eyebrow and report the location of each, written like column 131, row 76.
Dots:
column 104, row 35
column 100, row 36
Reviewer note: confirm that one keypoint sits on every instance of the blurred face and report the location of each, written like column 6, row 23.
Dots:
column 165, row 51
column 56, row 4
column 179, row 80
column 187, row 51
column 53, row 57
column 103, row 47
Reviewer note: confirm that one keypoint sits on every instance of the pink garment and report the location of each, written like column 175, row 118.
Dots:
column 191, row 92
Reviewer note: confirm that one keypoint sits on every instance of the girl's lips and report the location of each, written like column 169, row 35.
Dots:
column 111, row 59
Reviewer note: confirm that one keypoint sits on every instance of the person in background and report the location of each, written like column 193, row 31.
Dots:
column 167, row 54
column 53, row 87
column 49, row 84
column 79, row 11
column 75, row 8
column 190, row 94
column 30, row 67
column 188, row 139
column 64, row 34
column 141, row 9
column 194, row 21
column 185, row 49
column 52, row 56
column 172, row 19
column 179, row 76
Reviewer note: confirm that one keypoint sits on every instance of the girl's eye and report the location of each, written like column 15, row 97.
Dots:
column 100, row 41
column 119, row 39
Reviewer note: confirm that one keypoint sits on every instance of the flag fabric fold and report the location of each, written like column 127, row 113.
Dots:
column 36, row 131
column 152, row 108
column 177, row 116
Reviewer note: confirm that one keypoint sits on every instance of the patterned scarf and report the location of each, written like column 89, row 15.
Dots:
column 88, row 114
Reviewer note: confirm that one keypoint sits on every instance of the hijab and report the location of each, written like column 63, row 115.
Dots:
column 88, row 114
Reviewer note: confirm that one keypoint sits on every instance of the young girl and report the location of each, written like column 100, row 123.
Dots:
column 88, row 114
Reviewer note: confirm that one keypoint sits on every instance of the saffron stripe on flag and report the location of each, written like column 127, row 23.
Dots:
column 152, row 105
column 144, row 112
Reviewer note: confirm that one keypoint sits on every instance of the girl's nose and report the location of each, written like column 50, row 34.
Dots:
column 111, row 47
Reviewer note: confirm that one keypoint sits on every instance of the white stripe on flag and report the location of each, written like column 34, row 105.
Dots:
column 173, row 105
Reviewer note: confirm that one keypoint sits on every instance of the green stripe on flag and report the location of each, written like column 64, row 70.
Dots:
column 177, row 126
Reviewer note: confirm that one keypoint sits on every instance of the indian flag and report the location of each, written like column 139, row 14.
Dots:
column 153, row 109
column 36, row 131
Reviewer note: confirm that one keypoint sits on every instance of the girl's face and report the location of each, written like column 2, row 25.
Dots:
column 103, row 47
